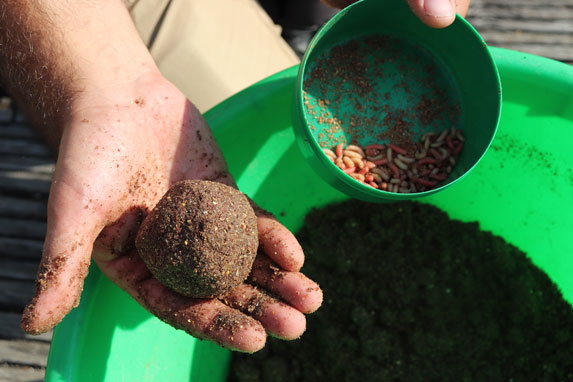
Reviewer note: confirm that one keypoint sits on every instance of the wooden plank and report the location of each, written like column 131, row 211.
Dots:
column 524, row 37
column 547, row 27
column 12, row 268
column 33, row 165
column 19, row 185
column 26, row 175
column 23, row 208
column 24, row 147
column 21, row 248
column 24, row 352
column 22, row 228
column 525, row 3
column 5, row 111
column 538, row 27
column 533, row 12
column 10, row 329
column 21, row 117
column 25, row 161
column 20, row 130
column 15, row 294
column 556, row 53
column 12, row 373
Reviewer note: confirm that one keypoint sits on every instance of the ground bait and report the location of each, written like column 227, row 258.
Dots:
column 411, row 295
column 201, row 239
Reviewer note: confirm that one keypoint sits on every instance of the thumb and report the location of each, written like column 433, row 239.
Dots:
column 71, row 230
column 434, row 13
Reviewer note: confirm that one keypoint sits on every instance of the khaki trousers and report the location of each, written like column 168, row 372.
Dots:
column 211, row 49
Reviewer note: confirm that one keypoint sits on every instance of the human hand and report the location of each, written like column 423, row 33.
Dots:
column 122, row 147
column 434, row 13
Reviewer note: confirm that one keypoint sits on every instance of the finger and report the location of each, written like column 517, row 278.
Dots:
column 294, row 287
column 208, row 319
column 118, row 238
column 278, row 243
column 434, row 13
column 126, row 271
column 71, row 230
column 278, row 318
column 205, row 319
column 462, row 7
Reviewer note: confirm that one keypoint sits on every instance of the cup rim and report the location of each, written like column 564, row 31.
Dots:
column 328, row 170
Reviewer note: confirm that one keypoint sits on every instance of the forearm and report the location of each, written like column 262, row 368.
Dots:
column 52, row 50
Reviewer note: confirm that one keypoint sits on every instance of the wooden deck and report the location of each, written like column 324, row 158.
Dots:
column 534, row 26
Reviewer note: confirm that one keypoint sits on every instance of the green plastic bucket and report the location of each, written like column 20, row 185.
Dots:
column 522, row 190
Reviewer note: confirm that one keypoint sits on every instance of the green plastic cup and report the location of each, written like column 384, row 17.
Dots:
column 406, row 70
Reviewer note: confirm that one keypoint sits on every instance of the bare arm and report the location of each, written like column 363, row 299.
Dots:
column 54, row 49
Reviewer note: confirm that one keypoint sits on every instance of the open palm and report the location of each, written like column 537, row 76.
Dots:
column 122, row 148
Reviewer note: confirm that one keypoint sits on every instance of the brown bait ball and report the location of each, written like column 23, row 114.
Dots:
column 201, row 239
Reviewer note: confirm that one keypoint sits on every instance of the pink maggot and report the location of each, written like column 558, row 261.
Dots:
column 429, row 183
column 458, row 148
column 426, row 160
column 372, row 152
column 375, row 147
column 398, row 149
column 395, row 170
column 338, row 150
column 438, row 176
column 380, row 162
column 450, row 142
column 349, row 170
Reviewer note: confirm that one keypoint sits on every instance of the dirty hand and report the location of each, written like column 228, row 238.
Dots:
column 434, row 13
column 122, row 147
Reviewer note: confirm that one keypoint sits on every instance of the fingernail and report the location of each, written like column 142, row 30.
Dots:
column 438, row 8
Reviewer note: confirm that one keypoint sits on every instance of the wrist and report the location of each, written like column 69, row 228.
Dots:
column 104, row 47
column 108, row 60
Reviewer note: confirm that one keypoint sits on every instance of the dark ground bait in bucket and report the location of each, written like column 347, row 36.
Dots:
column 411, row 295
